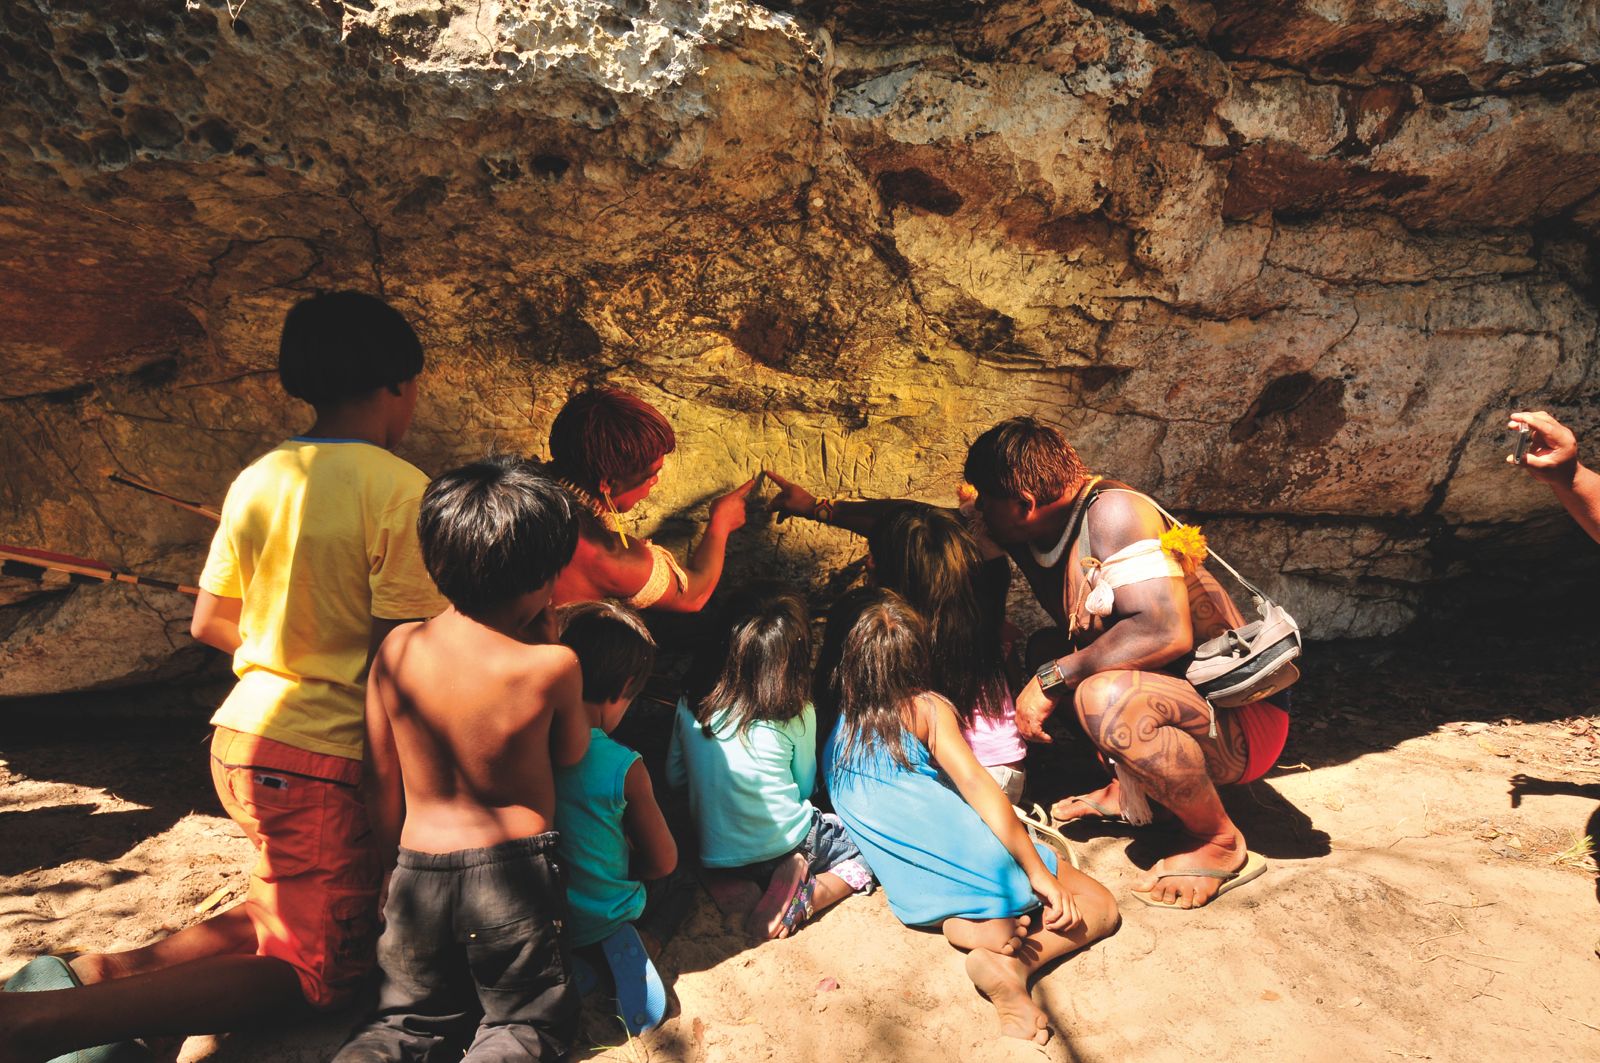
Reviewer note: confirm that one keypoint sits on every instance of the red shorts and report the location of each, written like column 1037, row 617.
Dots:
column 313, row 896
column 1266, row 729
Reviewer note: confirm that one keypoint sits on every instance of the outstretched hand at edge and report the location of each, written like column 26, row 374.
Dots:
column 1552, row 451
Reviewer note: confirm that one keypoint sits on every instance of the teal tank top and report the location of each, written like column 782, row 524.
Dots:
column 589, row 807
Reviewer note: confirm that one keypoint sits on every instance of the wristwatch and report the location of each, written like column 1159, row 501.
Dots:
column 1049, row 677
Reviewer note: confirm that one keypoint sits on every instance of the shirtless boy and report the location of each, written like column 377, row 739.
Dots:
column 466, row 716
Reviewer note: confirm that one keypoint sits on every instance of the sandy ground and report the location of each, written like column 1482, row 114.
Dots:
column 1427, row 897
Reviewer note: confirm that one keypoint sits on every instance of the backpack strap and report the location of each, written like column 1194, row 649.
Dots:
column 1255, row 592
column 1078, row 527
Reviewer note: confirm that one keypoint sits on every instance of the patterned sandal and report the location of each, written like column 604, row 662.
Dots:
column 800, row 908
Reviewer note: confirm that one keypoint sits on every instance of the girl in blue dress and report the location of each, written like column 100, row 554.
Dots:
column 934, row 826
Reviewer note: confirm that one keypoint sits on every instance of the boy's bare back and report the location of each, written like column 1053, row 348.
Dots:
column 470, row 719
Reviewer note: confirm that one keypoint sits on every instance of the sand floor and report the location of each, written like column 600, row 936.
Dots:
column 1427, row 898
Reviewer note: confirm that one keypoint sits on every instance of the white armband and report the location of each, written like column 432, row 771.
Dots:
column 1135, row 563
column 664, row 569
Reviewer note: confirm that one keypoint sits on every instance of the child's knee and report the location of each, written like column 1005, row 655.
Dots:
column 1098, row 910
column 1096, row 905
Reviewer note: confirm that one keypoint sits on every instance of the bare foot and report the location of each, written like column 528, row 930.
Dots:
column 997, row 935
column 92, row 967
column 1106, row 804
column 732, row 895
column 1004, row 980
column 767, row 919
column 1225, row 852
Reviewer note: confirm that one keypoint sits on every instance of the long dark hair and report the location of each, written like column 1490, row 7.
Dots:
column 929, row 558
column 883, row 666
column 767, row 672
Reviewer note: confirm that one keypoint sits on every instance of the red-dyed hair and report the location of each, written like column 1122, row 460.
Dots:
column 606, row 434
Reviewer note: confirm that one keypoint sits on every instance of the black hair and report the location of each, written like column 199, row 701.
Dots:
column 883, row 667
column 767, row 669
column 495, row 530
column 615, row 650
column 1023, row 454
column 339, row 346
column 928, row 557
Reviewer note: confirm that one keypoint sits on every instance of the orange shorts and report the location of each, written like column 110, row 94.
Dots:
column 313, row 896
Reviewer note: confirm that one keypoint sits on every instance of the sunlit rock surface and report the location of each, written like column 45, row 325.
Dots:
column 1285, row 270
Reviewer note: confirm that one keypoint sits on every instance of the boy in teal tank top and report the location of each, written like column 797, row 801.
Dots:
column 614, row 837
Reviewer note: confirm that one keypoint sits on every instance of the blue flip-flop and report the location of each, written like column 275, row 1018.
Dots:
column 641, row 995
column 41, row 974
column 44, row 973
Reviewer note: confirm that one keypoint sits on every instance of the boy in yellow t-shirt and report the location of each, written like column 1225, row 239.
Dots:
column 315, row 560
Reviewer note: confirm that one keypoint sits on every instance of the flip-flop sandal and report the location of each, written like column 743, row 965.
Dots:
column 774, row 905
column 44, row 973
column 800, row 908
column 1252, row 868
column 1100, row 811
column 641, row 995
column 1041, row 831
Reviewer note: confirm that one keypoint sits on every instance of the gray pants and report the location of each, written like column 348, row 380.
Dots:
column 472, row 939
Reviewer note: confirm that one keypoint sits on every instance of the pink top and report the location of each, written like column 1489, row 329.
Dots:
column 994, row 739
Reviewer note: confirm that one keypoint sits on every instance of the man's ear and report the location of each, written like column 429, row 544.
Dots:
column 1028, row 502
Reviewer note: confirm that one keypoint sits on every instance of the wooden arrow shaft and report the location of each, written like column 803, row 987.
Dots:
column 26, row 563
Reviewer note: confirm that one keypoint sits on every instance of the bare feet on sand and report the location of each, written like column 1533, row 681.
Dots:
column 1004, row 936
column 1004, row 980
column 1225, row 852
column 767, row 919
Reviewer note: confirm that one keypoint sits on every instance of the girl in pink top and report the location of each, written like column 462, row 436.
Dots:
column 930, row 559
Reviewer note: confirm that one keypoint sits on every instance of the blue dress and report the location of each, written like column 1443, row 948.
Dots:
column 931, row 851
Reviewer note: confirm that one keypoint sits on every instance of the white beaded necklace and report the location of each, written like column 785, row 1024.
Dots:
column 1050, row 559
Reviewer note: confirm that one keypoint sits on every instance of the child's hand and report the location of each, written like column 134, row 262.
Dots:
column 1059, row 911
column 728, row 512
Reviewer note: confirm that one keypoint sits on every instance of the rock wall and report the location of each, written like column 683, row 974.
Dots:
column 1285, row 268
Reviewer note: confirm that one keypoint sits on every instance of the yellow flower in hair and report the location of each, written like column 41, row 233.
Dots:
column 1187, row 544
column 966, row 495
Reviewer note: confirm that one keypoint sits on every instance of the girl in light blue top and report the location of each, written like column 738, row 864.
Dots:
column 747, row 754
column 934, row 825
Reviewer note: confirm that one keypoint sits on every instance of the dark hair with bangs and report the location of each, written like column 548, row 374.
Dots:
column 883, row 666
column 339, row 346
column 495, row 530
column 928, row 557
column 1023, row 454
column 767, row 673
column 615, row 650
column 606, row 434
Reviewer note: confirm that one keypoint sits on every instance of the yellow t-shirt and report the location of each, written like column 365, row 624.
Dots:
column 317, row 537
